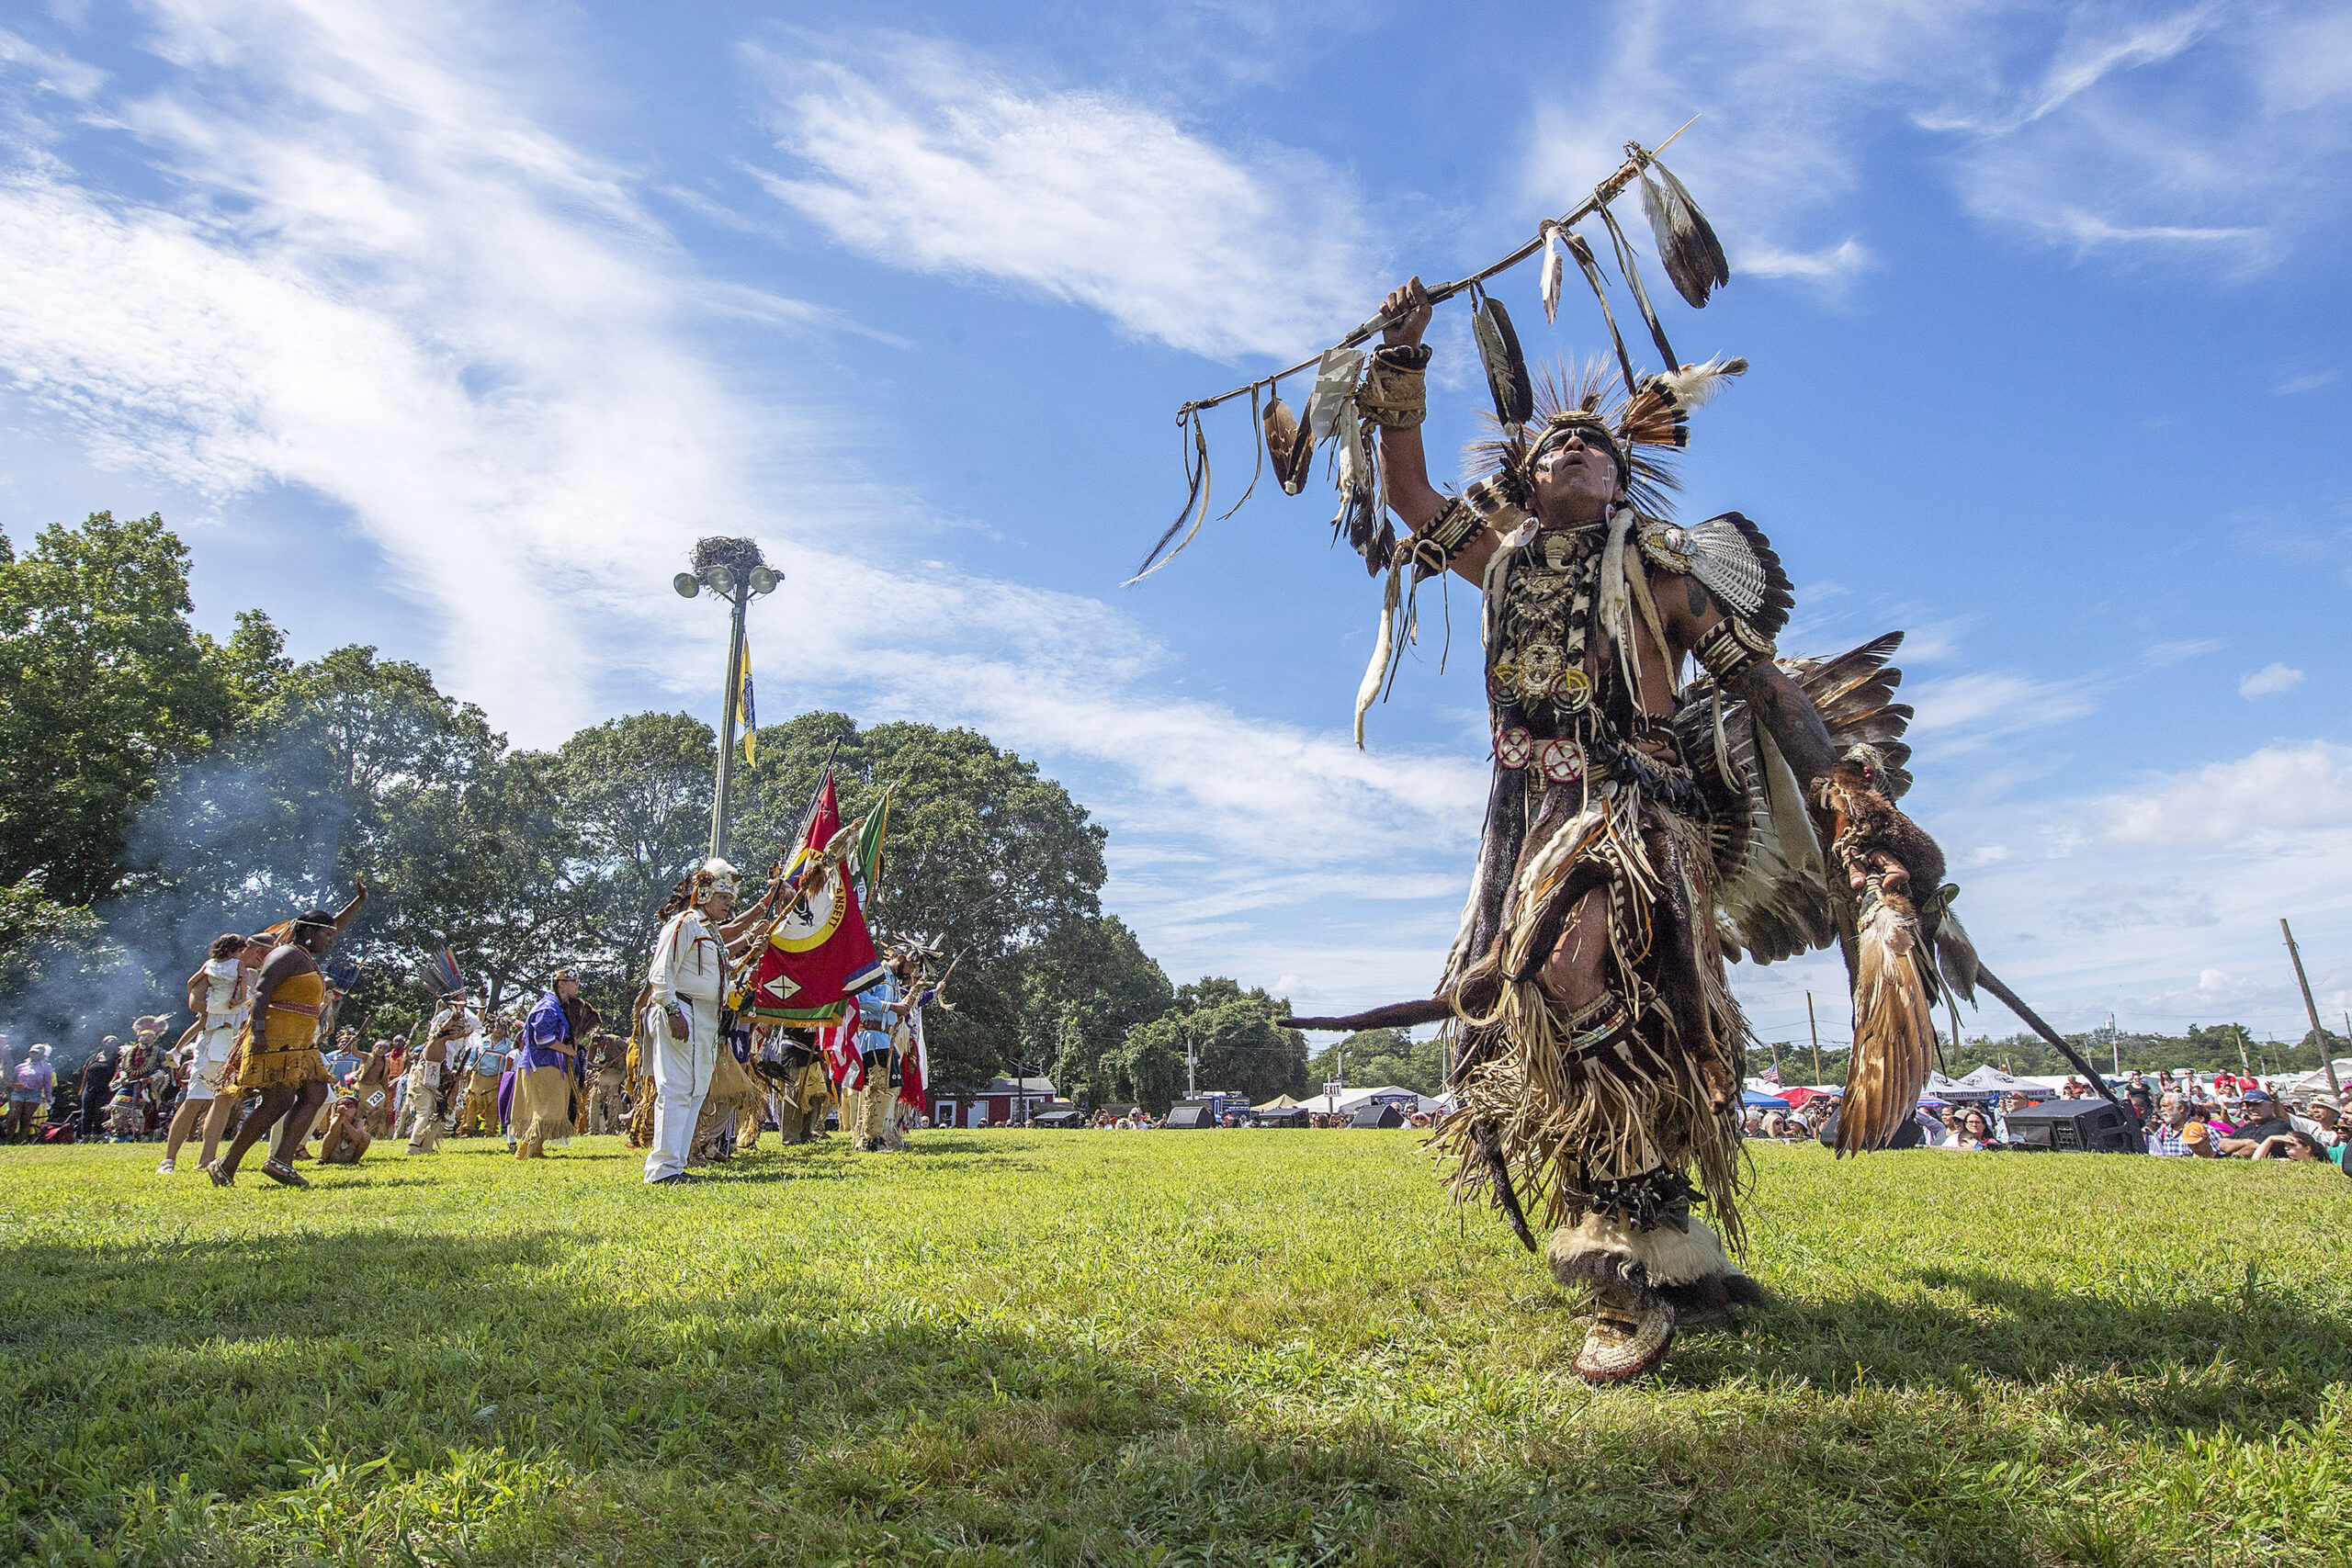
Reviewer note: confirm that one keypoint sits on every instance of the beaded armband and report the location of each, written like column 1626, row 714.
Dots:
column 1731, row 648
column 1449, row 533
column 1395, row 392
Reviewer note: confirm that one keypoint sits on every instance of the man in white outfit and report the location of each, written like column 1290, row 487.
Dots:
column 689, row 980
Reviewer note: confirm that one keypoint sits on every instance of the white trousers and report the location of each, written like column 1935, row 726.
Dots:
column 681, row 1072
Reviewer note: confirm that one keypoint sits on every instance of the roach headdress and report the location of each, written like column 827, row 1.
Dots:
column 1639, row 431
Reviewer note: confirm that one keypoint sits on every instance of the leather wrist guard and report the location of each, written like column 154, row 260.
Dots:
column 1395, row 392
column 1731, row 648
column 1447, row 534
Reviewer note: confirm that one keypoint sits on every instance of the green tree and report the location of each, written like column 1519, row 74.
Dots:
column 634, row 793
column 1376, row 1058
column 1232, row 1034
column 983, row 853
column 1084, row 991
column 102, row 682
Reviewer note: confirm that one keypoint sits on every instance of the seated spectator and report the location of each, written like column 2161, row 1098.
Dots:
column 1974, row 1132
column 2299, row 1146
column 2260, row 1119
column 2322, row 1121
column 2172, row 1117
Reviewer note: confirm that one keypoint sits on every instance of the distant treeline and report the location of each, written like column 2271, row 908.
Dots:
column 2207, row 1048
column 158, row 787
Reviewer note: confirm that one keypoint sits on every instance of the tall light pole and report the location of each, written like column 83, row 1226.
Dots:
column 733, row 569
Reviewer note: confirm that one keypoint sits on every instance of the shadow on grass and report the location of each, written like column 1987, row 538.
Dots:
column 2143, row 1366
column 666, row 1410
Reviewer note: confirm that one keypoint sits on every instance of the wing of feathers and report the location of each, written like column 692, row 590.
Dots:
column 1776, row 900
column 1894, row 1025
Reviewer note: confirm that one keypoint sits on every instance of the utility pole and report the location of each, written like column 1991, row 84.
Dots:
column 2114, row 1046
column 1810, row 1024
column 2326, row 1051
column 1192, row 1065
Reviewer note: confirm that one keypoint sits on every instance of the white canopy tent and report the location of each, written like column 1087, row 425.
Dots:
column 2315, row 1081
column 1355, row 1100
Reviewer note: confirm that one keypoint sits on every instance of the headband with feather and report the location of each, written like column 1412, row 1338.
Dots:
column 1638, row 430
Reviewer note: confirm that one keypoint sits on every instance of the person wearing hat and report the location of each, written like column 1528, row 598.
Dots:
column 2259, row 1119
column 2321, row 1121
column 280, row 1052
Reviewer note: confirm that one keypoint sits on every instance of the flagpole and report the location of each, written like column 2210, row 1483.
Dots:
column 718, row 824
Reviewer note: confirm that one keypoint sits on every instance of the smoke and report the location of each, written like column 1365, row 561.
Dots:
column 232, row 841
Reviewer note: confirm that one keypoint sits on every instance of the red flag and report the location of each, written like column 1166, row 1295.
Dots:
column 837, row 1041
column 818, row 953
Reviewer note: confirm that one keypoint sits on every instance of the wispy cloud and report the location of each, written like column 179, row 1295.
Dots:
column 928, row 157
column 2162, row 655
column 2086, row 128
column 1960, row 712
column 2269, row 681
column 2306, row 382
column 375, row 279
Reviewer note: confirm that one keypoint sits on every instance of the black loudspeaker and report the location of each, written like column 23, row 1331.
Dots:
column 1910, row 1136
column 2077, row 1126
column 1378, row 1115
column 1190, row 1116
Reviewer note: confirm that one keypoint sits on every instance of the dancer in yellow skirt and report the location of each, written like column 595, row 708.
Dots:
column 279, row 1054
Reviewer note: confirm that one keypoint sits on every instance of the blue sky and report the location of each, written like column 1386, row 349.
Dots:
column 448, row 327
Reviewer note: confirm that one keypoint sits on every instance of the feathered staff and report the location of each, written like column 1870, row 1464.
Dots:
column 1686, row 244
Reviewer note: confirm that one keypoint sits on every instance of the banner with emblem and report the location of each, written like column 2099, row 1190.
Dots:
column 817, row 953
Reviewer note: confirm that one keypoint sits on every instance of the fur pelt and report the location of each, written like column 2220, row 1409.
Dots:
column 1664, row 1257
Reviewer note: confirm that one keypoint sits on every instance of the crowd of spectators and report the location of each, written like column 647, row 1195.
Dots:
column 129, row 1092
column 2180, row 1115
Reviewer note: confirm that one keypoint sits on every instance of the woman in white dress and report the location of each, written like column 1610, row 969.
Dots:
column 217, row 994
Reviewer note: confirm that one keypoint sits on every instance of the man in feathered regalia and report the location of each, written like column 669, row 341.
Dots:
column 1639, row 826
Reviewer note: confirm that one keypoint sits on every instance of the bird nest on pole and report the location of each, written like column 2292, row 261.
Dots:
column 738, row 555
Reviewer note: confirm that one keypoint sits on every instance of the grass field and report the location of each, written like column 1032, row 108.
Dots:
column 1255, row 1347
